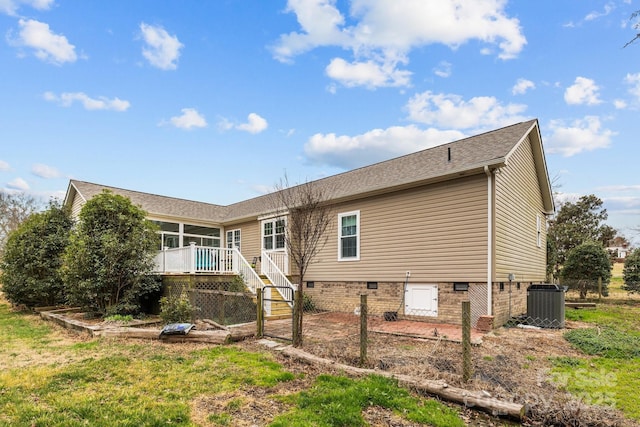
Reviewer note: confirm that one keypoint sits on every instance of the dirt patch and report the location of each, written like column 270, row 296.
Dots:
column 511, row 364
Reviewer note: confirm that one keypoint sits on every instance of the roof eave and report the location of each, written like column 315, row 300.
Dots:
column 541, row 167
column 471, row 170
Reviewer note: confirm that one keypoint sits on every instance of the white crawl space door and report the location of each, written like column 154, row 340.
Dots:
column 421, row 300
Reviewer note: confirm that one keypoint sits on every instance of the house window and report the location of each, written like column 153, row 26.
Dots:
column 273, row 234
column 233, row 239
column 349, row 236
column 311, row 284
column 538, row 230
column 372, row 285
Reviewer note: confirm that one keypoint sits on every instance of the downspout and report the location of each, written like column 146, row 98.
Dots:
column 489, row 174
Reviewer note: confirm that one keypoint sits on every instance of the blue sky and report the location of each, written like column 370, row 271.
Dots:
column 216, row 100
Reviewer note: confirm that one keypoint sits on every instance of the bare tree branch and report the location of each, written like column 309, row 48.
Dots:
column 636, row 26
column 14, row 209
column 309, row 218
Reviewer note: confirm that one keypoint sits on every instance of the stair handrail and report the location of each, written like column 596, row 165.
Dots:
column 249, row 276
column 278, row 278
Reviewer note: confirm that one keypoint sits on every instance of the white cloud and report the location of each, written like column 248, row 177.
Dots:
column 18, row 184
column 452, row 111
column 620, row 104
column 584, row 91
column 633, row 80
column 443, row 69
column 619, row 188
column 349, row 152
column 582, row 135
column 48, row 46
column 368, row 73
column 66, row 99
column 608, row 8
column 4, row 166
column 162, row 50
column 384, row 32
column 44, row 171
column 189, row 119
column 224, row 124
column 522, row 86
column 10, row 7
column 254, row 124
column 262, row 189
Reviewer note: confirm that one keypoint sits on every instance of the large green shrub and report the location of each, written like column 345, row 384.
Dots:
column 33, row 256
column 631, row 272
column 109, row 262
column 586, row 264
column 177, row 309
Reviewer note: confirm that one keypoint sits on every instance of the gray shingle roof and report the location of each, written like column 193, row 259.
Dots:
column 155, row 204
column 467, row 155
column 432, row 164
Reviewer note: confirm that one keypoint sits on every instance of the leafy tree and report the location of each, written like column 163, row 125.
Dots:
column 577, row 223
column 309, row 217
column 586, row 264
column 109, row 262
column 33, row 256
column 631, row 272
column 14, row 209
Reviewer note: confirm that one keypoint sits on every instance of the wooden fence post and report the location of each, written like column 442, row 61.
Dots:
column 466, row 341
column 260, row 314
column 364, row 310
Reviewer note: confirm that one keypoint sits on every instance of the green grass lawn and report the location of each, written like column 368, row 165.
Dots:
column 609, row 373
column 52, row 378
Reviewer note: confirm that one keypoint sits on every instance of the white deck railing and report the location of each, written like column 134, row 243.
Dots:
column 195, row 259
column 280, row 258
column 277, row 277
column 201, row 259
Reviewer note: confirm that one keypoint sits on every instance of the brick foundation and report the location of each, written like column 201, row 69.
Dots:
column 508, row 301
column 388, row 297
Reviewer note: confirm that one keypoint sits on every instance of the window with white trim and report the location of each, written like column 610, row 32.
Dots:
column 349, row 236
column 233, row 239
column 273, row 234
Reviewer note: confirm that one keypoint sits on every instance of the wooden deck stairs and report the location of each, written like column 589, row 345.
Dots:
column 280, row 309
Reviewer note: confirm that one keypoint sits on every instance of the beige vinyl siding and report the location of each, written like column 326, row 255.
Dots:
column 518, row 204
column 437, row 232
column 249, row 238
column 76, row 206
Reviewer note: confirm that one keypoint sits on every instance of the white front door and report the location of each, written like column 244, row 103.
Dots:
column 421, row 300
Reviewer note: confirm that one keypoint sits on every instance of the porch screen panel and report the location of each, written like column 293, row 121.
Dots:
column 201, row 235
